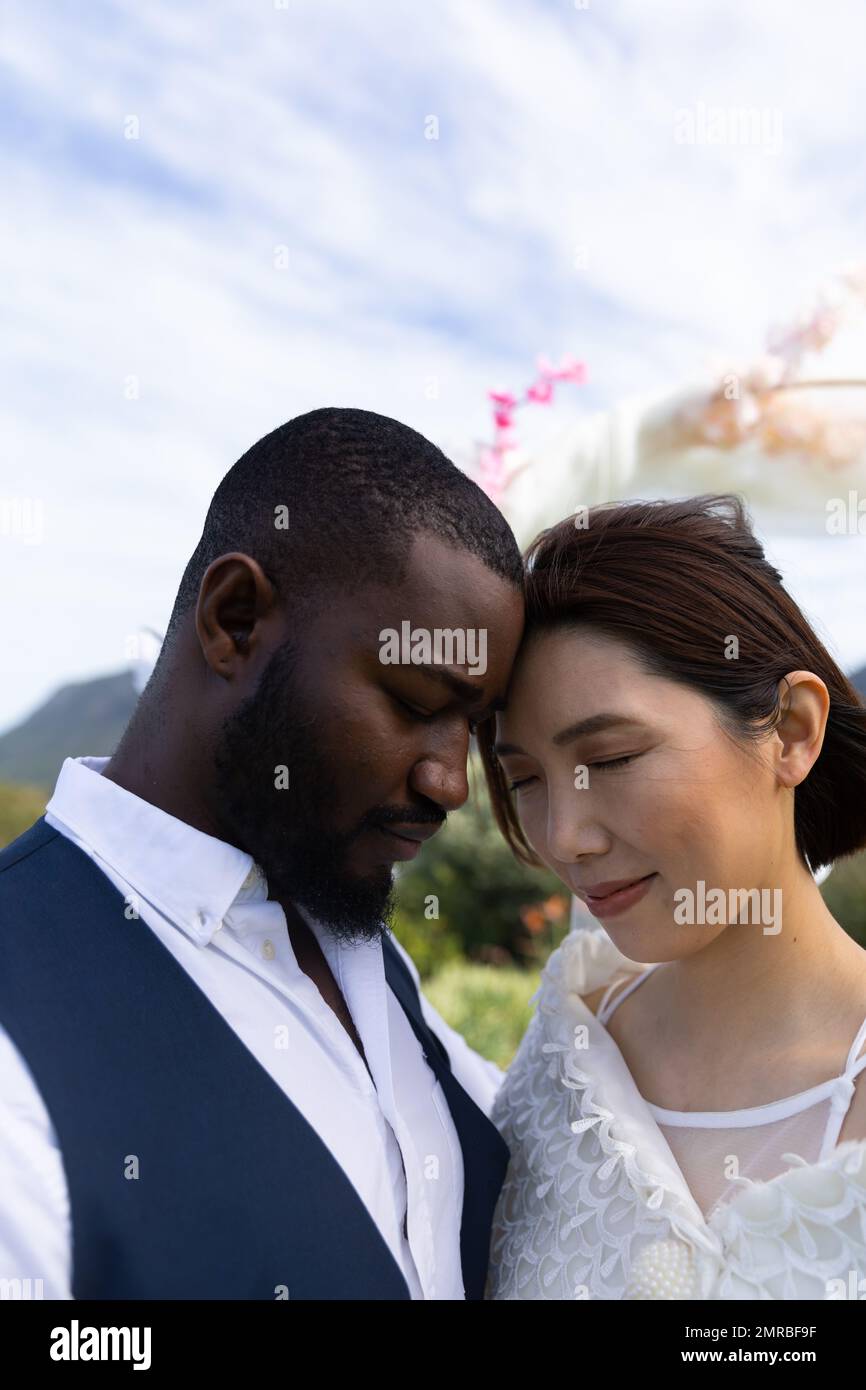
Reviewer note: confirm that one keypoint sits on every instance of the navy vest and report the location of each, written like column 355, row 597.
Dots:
column 236, row 1194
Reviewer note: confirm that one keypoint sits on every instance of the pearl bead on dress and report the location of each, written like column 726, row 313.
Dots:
column 663, row 1270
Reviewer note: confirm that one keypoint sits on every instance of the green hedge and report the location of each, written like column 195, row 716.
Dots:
column 489, row 1005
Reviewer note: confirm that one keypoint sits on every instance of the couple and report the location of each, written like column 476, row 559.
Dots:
column 220, row 1078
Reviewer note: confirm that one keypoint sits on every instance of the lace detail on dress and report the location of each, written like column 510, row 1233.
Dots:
column 594, row 1204
column 801, row 1235
column 577, row 1206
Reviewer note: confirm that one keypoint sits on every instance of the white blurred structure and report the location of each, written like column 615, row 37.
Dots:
column 787, row 431
column 645, row 448
column 143, row 648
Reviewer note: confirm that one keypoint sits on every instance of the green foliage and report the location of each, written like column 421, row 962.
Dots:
column 489, row 1005
column 431, row 944
column 20, row 806
column 482, row 894
column 844, row 892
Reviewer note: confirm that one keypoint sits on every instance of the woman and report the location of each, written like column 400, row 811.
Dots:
column 684, row 1113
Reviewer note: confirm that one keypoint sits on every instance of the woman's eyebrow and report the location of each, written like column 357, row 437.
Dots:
column 595, row 724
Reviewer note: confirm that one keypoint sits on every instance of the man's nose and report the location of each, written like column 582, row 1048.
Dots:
column 442, row 776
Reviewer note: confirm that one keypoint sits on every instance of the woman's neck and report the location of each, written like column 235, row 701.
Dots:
column 775, row 984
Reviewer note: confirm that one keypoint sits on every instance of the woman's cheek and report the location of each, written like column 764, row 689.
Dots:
column 532, row 814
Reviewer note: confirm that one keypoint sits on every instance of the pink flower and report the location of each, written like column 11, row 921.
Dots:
column 542, row 392
column 494, row 477
column 569, row 369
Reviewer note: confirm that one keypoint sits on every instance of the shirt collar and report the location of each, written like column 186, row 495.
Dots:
column 191, row 877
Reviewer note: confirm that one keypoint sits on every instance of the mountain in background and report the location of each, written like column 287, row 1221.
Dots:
column 80, row 719
column 88, row 718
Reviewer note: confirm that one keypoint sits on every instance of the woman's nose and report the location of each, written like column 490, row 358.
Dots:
column 573, row 831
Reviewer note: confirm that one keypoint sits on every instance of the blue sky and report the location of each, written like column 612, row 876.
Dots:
column 151, row 335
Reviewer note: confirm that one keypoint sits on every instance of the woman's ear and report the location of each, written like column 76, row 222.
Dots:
column 805, row 705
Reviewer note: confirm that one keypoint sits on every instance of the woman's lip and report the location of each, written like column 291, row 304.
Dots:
column 619, row 901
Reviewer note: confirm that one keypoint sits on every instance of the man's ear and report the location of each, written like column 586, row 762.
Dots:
column 804, row 707
column 235, row 596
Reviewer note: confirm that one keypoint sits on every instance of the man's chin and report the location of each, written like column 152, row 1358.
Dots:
column 350, row 909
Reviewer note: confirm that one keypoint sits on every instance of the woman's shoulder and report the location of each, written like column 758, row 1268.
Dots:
column 593, row 1000
column 587, row 963
column 854, row 1123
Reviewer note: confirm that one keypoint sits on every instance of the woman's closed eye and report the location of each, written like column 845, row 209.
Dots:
column 608, row 763
column 519, row 782
column 616, row 762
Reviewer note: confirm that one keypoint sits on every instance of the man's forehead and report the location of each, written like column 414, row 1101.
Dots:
column 447, row 573
column 437, row 608
column 463, row 649
column 442, row 589
column 449, row 587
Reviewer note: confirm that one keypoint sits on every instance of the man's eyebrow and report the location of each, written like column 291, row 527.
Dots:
column 595, row 724
column 464, row 688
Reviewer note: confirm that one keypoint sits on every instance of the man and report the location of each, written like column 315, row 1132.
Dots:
column 220, row 1079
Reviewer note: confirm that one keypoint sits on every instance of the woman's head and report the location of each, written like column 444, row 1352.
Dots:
column 660, row 641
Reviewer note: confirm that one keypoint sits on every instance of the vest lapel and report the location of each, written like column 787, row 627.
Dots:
column 485, row 1153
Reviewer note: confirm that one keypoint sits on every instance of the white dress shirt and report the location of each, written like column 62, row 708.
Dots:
column 207, row 902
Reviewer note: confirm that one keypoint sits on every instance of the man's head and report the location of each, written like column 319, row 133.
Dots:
column 333, row 746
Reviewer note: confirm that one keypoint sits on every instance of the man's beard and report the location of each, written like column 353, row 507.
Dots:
column 286, row 830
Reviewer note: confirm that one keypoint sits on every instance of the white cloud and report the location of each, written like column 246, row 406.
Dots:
column 408, row 258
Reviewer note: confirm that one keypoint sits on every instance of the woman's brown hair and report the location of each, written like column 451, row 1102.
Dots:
column 676, row 580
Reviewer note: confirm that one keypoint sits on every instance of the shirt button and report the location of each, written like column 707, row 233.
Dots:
column 268, row 950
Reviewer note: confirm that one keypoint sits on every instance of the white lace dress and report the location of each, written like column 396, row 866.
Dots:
column 609, row 1197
